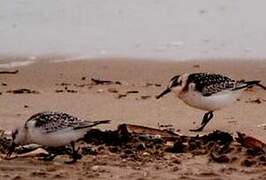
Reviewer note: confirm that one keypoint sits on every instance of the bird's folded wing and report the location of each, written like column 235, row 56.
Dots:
column 87, row 124
column 208, row 84
column 74, row 125
column 217, row 88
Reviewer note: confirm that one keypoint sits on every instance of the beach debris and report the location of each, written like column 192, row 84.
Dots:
column 145, row 97
column 132, row 92
column 104, row 82
column 100, row 91
column 232, row 121
column 4, row 84
column 148, row 84
column 127, row 129
column 153, row 84
column 262, row 125
column 138, row 143
column 257, row 101
column 59, row 91
column 9, row 72
column 71, row 91
column 119, row 96
column 34, row 153
column 65, row 84
column 222, row 138
column 251, row 142
column 23, row 91
column 66, row 90
column 62, row 84
column 81, row 85
column 112, row 90
column 178, row 146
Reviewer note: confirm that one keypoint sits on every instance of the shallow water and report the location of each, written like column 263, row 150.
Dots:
column 181, row 29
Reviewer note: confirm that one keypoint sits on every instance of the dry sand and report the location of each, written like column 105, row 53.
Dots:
column 100, row 102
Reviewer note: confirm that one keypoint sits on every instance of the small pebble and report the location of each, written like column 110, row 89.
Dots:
column 146, row 154
column 95, row 168
column 100, row 91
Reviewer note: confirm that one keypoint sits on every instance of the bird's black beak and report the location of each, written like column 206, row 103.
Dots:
column 11, row 150
column 166, row 91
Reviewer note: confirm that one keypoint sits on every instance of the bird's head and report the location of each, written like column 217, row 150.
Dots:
column 18, row 138
column 176, row 84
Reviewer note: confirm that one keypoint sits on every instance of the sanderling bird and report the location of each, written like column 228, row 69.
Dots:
column 205, row 91
column 52, row 129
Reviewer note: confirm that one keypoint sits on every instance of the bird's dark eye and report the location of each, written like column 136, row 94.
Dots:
column 174, row 81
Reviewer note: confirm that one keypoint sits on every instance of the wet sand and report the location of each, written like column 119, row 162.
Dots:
column 67, row 86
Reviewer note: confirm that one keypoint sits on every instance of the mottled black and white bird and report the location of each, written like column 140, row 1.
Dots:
column 205, row 91
column 52, row 129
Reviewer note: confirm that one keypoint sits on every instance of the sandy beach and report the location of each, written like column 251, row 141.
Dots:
column 67, row 87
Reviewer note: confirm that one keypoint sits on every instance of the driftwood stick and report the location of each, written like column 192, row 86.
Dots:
column 9, row 72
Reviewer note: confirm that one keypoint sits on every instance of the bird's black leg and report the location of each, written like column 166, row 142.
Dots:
column 206, row 118
column 75, row 155
column 52, row 153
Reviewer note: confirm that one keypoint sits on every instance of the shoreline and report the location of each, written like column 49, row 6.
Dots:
column 11, row 61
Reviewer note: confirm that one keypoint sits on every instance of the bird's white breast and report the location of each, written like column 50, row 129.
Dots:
column 209, row 103
column 55, row 139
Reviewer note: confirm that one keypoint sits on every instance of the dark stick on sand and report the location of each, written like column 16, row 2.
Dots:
column 9, row 72
column 98, row 81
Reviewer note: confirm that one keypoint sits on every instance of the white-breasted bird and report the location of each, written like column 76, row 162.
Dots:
column 52, row 129
column 206, row 91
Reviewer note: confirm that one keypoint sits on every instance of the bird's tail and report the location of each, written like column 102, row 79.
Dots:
column 246, row 84
column 255, row 83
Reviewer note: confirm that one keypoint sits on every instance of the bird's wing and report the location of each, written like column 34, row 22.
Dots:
column 245, row 84
column 53, row 121
column 208, row 84
column 87, row 124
